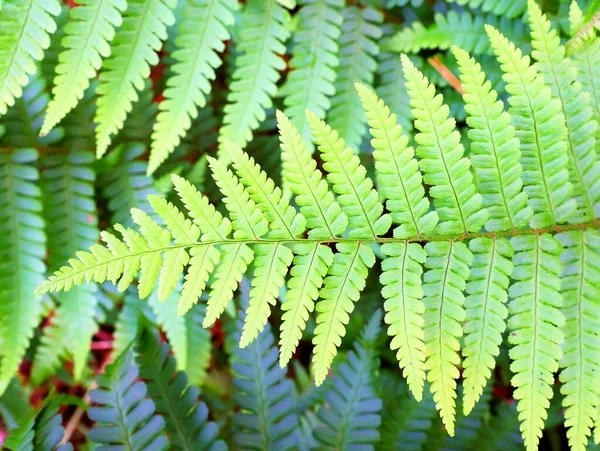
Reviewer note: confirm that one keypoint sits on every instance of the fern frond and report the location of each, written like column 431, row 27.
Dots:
column 267, row 417
column 535, row 323
column 88, row 37
column 391, row 87
column 401, row 280
column 201, row 35
column 445, row 168
column 125, row 184
column 351, row 415
column 559, row 74
column 26, row 26
column 71, row 224
column 511, row 9
column 324, row 219
column 134, row 312
column 310, row 86
column 186, row 417
column 582, row 341
column 587, row 61
column 172, row 324
column 496, row 153
column 463, row 30
column 124, row 416
column 341, row 289
column 404, row 420
column 25, row 117
column 359, row 47
column 23, row 245
column 397, row 168
column 257, row 66
column 356, row 195
column 199, row 345
column 447, row 266
column 133, row 52
column 536, row 117
column 485, row 313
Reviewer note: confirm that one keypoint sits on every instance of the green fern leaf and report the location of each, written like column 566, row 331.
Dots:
column 201, row 36
column 401, row 280
column 356, row 195
column 458, row 204
column 391, row 85
column 351, row 415
column 396, row 167
column 26, row 26
column 199, row 345
column 324, row 219
column 535, row 323
column 342, row 286
column 186, row 418
column 133, row 52
column 23, row 245
column 359, row 48
column 559, row 74
column 582, row 342
column 257, row 67
column 463, row 30
column 172, row 324
column 536, row 117
column 404, row 420
column 125, row 184
column 587, row 61
column 448, row 268
column 267, row 417
column 71, row 224
column 87, row 40
column 134, row 312
column 135, row 428
column 310, row 86
column 21, row 438
column 485, row 313
column 496, row 154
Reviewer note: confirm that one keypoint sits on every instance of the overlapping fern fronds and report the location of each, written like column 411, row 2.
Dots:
column 470, row 245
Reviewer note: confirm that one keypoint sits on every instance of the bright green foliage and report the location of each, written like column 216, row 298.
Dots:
column 398, row 176
column 460, row 29
column 458, row 204
column 485, row 313
column 257, row 67
column 513, row 8
column 87, row 40
column 25, row 26
column 401, row 279
column 71, row 224
column 536, row 324
column 560, row 74
column 444, row 282
column 267, row 417
column 359, row 47
column 310, row 84
column 186, row 418
column 201, row 35
column 23, row 245
column 199, row 345
column 587, row 61
column 537, row 120
column 356, row 195
column 124, row 416
column 496, row 154
column 581, row 387
column 352, row 411
column 133, row 53
column 325, row 220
